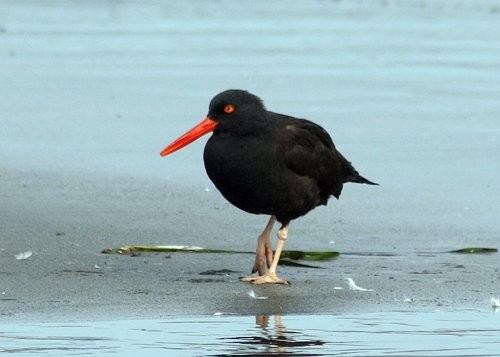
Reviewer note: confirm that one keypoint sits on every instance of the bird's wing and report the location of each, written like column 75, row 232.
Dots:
column 308, row 150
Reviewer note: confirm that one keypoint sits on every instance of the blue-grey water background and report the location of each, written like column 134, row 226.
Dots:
column 91, row 91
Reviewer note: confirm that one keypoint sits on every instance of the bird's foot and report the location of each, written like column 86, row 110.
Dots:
column 267, row 278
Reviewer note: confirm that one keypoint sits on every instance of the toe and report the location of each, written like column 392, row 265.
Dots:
column 265, row 279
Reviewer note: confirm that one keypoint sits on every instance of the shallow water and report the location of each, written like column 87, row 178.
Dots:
column 443, row 333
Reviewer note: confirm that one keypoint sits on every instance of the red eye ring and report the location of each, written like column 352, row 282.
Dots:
column 229, row 108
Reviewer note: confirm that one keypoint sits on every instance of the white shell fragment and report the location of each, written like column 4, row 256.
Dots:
column 495, row 303
column 353, row 286
column 253, row 295
column 24, row 255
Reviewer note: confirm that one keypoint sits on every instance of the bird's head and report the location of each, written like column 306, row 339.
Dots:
column 235, row 104
column 226, row 107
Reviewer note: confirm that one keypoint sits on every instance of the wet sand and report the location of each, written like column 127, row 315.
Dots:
column 91, row 94
column 68, row 277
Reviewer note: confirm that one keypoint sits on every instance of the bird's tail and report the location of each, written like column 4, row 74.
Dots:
column 352, row 175
column 357, row 178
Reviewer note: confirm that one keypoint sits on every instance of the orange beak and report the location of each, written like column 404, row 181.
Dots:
column 206, row 126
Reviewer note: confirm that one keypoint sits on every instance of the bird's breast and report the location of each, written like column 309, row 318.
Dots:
column 242, row 170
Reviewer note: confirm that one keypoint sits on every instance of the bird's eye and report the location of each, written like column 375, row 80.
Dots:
column 229, row 108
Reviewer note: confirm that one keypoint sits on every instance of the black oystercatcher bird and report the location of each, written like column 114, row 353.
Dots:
column 268, row 163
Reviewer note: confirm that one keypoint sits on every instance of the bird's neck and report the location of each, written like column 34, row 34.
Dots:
column 241, row 128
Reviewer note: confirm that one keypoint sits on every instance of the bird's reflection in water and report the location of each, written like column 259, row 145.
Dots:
column 273, row 338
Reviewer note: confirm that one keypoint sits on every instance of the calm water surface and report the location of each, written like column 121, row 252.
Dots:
column 458, row 333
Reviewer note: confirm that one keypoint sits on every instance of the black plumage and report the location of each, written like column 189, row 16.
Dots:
column 268, row 163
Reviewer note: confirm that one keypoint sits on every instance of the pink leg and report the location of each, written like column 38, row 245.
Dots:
column 271, row 277
column 264, row 252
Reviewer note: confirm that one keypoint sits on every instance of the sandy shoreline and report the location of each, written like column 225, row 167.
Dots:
column 68, row 277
